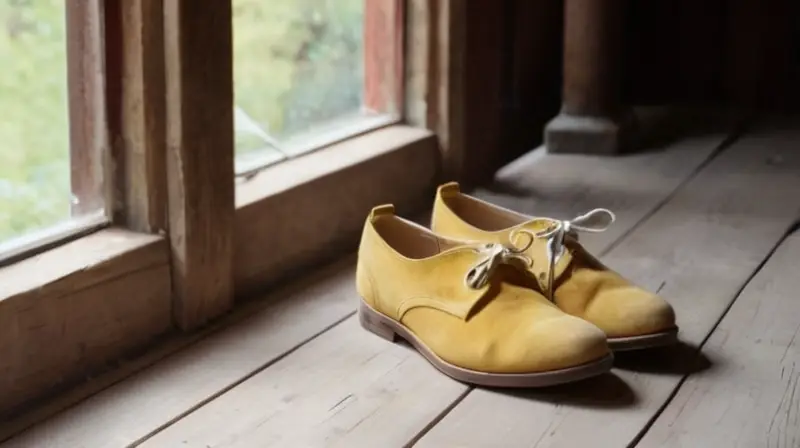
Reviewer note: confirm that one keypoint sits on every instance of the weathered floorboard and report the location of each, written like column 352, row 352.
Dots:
column 296, row 401
column 320, row 396
column 750, row 397
column 130, row 410
column 699, row 250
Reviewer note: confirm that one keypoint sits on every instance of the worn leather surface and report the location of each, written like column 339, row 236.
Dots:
column 417, row 278
column 583, row 286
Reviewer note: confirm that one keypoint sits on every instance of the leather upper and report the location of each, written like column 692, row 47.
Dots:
column 420, row 279
column 582, row 286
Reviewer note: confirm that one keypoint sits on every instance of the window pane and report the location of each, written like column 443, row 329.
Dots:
column 300, row 75
column 35, row 191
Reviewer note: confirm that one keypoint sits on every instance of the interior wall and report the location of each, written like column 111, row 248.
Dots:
column 533, row 35
column 736, row 52
column 740, row 53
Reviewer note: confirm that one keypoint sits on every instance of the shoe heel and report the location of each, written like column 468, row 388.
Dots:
column 373, row 324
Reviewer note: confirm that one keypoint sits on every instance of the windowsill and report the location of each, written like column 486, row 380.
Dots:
column 332, row 133
column 306, row 168
column 83, row 262
column 306, row 210
column 69, row 310
column 79, row 308
column 42, row 240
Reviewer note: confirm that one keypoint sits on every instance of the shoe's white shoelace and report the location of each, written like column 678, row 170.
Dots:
column 594, row 221
column 495, row 254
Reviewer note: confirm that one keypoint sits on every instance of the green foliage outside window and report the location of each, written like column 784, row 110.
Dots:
column 297, row 63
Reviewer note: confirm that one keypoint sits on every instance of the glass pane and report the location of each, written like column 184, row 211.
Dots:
column 300, row 75
column 35, row 189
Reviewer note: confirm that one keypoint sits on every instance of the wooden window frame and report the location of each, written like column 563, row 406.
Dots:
column 185, row 239
column 74, row 308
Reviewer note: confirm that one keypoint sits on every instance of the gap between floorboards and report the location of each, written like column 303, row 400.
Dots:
column 643, row 432
column 564, row 207
column 630, row 217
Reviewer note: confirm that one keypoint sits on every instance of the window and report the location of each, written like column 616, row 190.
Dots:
column 49, row 184
column 131, row 118
column 311, row 72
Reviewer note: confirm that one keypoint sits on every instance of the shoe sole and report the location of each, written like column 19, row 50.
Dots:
column 388, row 329
column 642, row 342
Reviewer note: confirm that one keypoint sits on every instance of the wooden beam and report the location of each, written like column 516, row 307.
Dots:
column 592, row 117
column 459, row 96
column 85, row 91
column 136, row 110
column 199, row 86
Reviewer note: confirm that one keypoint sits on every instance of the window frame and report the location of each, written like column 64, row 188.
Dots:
column 185, row 240
column 85, row 104
column 71, row 307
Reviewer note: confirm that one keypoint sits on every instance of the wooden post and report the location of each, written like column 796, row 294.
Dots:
column 199, row 86
column 85, row 86
column 591, row 114
column 460, row 97
column 135, row 107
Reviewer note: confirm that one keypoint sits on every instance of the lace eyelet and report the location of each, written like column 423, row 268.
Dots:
column 469, row 279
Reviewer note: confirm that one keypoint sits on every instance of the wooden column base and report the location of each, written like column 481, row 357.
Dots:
column 570, row 134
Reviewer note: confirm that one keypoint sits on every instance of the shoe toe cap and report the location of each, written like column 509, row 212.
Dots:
column 551, row 344
column 630, row 311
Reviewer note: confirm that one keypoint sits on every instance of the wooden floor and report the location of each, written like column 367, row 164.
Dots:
column 708, row 222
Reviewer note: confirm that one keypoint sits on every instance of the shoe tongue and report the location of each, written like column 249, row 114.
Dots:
column 539, row 251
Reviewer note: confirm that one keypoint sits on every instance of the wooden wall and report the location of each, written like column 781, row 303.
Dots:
column 738, row 52
column 532, row 72
column 741, row 53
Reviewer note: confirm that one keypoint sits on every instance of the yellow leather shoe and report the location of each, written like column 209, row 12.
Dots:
column 464, row 308
column 564, row 271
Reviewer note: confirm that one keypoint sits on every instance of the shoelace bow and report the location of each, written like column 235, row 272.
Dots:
column 495, row 254
column 594, row 221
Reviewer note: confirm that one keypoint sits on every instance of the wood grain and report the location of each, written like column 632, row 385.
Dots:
column 135, row 97
column 85, row 77
column 129, row 411
column 298, row 405
column 464, row 84
column 67, row 313
column 349, row 388
column 699, row 249
column 310, row 209
column 748, row 397
column 384, row 158
column 199, row 86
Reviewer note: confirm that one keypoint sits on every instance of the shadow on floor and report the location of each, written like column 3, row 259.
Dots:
column 681, row 359
column 656, row 128
column 607, row 391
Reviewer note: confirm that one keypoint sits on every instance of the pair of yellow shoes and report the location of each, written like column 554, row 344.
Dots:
column 497, row 298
